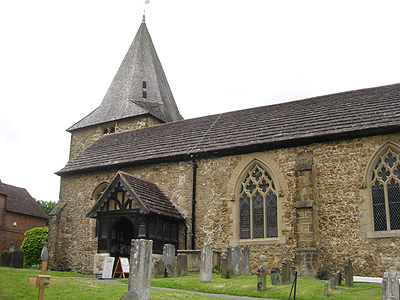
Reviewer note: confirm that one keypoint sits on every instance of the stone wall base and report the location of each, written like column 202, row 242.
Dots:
column 307, row 261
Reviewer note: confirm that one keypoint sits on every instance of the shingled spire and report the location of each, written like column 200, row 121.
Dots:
column 140, row 87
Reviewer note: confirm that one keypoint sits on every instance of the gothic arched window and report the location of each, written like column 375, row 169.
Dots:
column 258, row 205
column 385, row 190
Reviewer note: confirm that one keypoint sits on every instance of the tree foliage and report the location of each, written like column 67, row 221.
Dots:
column 47, row 206
column 32, row 245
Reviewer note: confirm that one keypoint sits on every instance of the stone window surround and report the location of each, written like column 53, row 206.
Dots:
column 234, row 185
column 367, row 218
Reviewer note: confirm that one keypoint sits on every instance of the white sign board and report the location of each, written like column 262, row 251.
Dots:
column 125, row 264
column 108, row 267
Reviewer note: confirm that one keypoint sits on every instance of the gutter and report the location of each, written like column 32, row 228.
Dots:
column 194, row 179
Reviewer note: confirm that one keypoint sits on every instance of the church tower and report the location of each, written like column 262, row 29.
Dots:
column 139, row 96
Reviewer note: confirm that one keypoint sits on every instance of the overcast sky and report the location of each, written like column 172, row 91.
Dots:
column 58, row 58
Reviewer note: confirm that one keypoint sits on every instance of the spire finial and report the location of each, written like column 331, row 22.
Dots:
column 144, row 10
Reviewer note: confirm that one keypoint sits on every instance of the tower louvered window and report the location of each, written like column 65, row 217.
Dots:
column 258, row 205
column 385, row 185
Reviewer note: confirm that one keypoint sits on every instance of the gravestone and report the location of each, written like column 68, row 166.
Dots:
column 159, row 269
column 182, row 262
column 140, row 268
column 339, row 278
column 275, row 276
column 348, row 272
column 224, row 266
column 229, row 262
column 130, row 295
column 169, row 260
column 390, row 286
column 17, row 259
column 325, row 290
column 206, row 266
column 236, row 260
column 108, row 267
column 245, row 261
column 334, row 280
column 170, row 271
column 4, row 259
column 261, row 279
column 285, row 278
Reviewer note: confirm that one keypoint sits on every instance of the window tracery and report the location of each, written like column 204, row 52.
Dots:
column 258, row 205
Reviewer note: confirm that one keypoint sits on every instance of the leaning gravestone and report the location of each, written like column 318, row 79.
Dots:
column 245, row 261
column 159, row 269
column 169, row 260
column 285, row 279
column 275, row 276
column 17, row 259
column 182, row 265
column 140, row 268
column 261, row 279
column 206, row 266
column 390, row 286
column 339, row 278
column 236, row 260
column 348, row 272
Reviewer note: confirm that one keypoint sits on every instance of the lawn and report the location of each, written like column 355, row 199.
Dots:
column 14, row 285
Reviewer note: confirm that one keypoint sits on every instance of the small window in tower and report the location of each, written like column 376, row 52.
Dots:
column 144, row 84
column 144, row 94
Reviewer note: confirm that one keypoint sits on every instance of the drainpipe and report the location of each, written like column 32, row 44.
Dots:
column 193, row 234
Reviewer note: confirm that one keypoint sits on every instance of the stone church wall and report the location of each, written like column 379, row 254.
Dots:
column 333, row 225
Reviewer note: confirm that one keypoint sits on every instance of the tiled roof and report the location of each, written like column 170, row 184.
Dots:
column 331, row 117
column 20, row 201
column 151, row 198
column 124, row 97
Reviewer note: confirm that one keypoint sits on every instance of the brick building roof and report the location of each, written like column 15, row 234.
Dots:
column 18, row 200
column 331, row 117
column 125, row 96
column 148, row 195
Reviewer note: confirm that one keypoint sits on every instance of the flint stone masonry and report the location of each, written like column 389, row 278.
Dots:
column 245, row 261
column 206, row 267
column 140, row 268
column 342, row 208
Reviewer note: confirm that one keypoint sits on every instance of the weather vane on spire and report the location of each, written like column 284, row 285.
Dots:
column 144, row 10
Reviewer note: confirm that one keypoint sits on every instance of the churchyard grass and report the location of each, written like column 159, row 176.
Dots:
column 14, row 285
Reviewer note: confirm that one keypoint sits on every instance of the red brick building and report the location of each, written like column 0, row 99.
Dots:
column 19, row 212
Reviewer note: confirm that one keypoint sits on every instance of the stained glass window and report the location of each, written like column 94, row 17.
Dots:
column 385, row 189
column 258, row 205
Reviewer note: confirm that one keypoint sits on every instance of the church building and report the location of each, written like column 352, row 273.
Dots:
column 313, row 180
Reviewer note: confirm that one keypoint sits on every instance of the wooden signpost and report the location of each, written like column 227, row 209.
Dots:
column 122, row 267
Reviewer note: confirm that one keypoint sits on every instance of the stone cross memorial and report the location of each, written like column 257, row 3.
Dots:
column 206, row 266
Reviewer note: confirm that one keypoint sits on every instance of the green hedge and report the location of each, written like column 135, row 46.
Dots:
column 32, row 245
